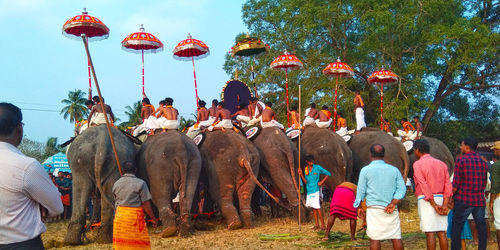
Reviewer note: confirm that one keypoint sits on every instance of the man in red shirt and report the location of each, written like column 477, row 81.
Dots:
column 469, row 182
column 433, row 190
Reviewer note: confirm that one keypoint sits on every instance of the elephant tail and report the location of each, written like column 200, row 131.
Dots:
column 99, row 165
column 291, row 165
column 245, row 164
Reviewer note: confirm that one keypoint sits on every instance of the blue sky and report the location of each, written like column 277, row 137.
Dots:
column 39, row 65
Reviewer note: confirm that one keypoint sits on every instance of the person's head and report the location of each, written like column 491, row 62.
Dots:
column 11, row 126
column 309, row 159
column 169, row 101
column 89, row 104
column 60, row 174
column 128, row 167
column 162, row 103
column 403, row 120
column 313, row 105
column 468, row 144
column 215, row 102
column 220, row 105
column 145, row 101
column 324, row 107
column 202, row 103
column 253, row 100
column 416, row 118
column 496, row 149
column 377, row 152
column 269, row 104
column 95, row 99
column 386, row 121
column 421, row 147
column 293, row 108
column 356, row 92
column 339, row 114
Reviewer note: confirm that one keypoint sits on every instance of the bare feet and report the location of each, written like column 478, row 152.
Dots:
column 325, row 238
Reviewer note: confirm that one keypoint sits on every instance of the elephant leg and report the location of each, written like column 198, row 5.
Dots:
column 105, row 234
column 227, row 207
column 245, row 191
column 167, row 216
column 82, row 187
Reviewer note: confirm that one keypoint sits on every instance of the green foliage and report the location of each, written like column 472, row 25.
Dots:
column 75, row 106
column 134, row 115
column 184, row 122
column 39, row 150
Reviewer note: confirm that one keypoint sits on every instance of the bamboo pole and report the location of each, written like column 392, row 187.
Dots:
column 300, row 202
column 84, row 38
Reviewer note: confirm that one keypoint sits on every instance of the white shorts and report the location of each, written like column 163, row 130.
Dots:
column 430, row 221
column 312, row 200
column 381, row 225
column 270, row 124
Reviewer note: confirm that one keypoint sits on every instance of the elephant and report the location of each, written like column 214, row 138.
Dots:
column 439, row 151
column 278, row 157
column 170, row 162
column 329, row 151
column 93, row 165
column 231, row 163
column 395, row 152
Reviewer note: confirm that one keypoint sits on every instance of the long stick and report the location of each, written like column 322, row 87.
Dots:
column 84, row 38
column 143, row 93
column 287, row 108
column 335, row 105
column 300, row 202
column 381, row 105
column 195, row 85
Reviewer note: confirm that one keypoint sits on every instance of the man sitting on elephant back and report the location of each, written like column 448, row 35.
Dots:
column 169, row 115
column 242, row 115
column 341, row 125
column 311, row 115
column 407, row 131
column 96, row 115
column 324, row 118
column 201, row 119
column 268, row 118
column 255, row 107
column 222, row 119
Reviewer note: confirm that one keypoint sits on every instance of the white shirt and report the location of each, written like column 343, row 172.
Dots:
column 23, row 186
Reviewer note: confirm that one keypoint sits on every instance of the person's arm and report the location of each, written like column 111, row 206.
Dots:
column 143, row 113
column 90, row 115
column 320, row 183
column 146, row 205
column 39, row 187
column 111, row 113
column 420, row 180
column 457, row 177
column 361, row 189
column 326, row 173
column 448, row 192
column 299, row 170
column 198, row 115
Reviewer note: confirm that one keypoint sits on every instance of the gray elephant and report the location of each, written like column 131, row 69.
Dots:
column 171, row 163
column 395, row 152
column 330, row 151
column 231, row 162
column 278, row 156
column 93, row 165
column 438, row 150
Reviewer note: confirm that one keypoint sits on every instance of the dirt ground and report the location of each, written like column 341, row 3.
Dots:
column 258, row 237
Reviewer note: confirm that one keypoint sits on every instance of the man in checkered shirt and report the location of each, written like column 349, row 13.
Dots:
column 469, row 182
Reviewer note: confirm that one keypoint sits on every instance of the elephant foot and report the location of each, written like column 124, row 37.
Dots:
column 105, row 234
column 184, row 226
column 234, row 225
column 247, row 220
column 74, row 234
column 169, row 231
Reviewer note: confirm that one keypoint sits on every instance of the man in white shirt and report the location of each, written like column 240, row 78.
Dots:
column 24, row 188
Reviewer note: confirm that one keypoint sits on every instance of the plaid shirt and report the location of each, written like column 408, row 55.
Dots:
column 470, row 178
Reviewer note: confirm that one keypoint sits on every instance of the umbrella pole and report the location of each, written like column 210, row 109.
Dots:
column 300, row 202
column 287, row 108
column 381, row 105
column 84, row 38
column 335, row 105
column 90, row 81
column 195, row 85
column 143, row 93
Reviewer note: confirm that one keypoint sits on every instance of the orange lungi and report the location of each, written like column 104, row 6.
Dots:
column 129, row 229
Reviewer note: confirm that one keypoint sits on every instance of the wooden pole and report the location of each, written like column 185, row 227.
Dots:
column 84, row 38
column 300, row 202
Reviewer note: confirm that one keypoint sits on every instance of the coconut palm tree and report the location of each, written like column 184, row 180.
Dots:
column 134, row 115
column 75, row 108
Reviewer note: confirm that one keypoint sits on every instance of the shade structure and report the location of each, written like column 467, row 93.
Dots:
column 337, row 69
column 190, row 49
column 142, row 42
column 382, row 76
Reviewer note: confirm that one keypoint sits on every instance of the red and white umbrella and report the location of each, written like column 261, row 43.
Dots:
column 382, row 76
column 286, row 62
column 337, row 69
column 141, row 42
column 91, row 27
column 190, row 49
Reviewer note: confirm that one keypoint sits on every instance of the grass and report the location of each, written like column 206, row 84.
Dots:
column 281, row 233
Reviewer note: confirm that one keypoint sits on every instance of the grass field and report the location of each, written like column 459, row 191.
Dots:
column 257, row 238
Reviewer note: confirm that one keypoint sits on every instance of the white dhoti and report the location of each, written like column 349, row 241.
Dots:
column 243, row 119
column 342, row 131
column 496, row 213
column 404, row 134
column 226, row 123
column 271, row 123
column 324, row 124
column 381, row 225
column 254, row 121
column 84, row 126
column 312, row 200
column 414, row 135
column 99, row 119
column 360, row 119
column 430, row 221
column 170, row 124
column 207, row 123
column 308, row 121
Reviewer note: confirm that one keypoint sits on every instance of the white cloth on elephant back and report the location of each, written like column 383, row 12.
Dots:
column 271, row 123
column 83, row 128
column 308, row 121
column 324, row 124
column 99, row 119
column 243, row 119
column 169, row 124
column 404, row 134
column 143, row 126
column 360, row 118
column 226, row 123
column 342, row 131
column 414, row 135
column 254, row 121
column 430, row 220
column 381, row 225
column 207, row 123
column 312, row 200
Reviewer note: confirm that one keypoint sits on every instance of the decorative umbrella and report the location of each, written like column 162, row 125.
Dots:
column 190, row 49
column 382, row 76
column 337, row 69
column 286, row 61
column 142, row 42
column 250, row 46
column 90, row 28
column 94, row 29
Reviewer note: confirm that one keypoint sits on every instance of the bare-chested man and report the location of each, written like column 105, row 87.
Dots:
column 268, row 117
column 341, row 125
column 96, row 115
column 147, row 109
column 294, row 116
column 407, row 132
column 213, row 110
column 359, row 111
column 148, row 118
column 311, row 115
column 84, row 123
column 255, row 107
column 168, row 115
column 324, row 118
column 242, row 115
column 418, row 128
column 202, row 119
column 223, row 116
